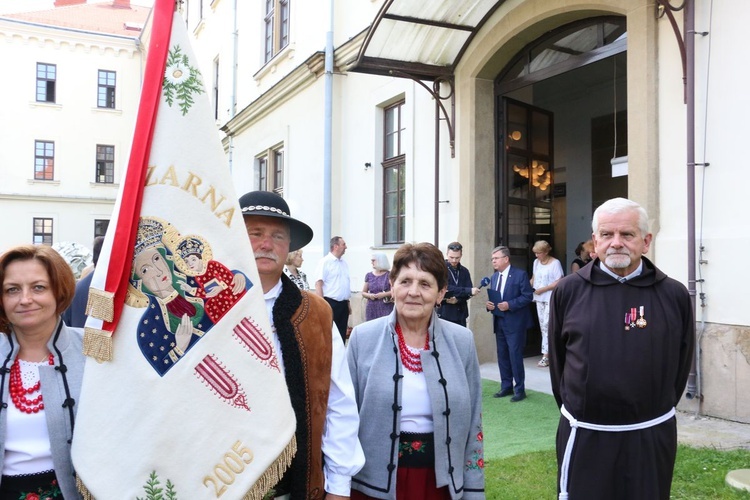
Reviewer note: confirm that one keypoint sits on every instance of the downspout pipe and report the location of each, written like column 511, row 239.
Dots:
column 328, row 131
column 689, row 35
column 437, row 168
column 233, row 99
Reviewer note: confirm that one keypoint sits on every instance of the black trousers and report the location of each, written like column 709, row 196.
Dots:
column 340, row 315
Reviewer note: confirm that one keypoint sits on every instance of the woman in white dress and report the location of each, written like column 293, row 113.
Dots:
column 547, row 272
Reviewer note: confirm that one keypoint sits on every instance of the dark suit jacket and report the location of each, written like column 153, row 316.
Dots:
column 75, row 314
column 518, row 294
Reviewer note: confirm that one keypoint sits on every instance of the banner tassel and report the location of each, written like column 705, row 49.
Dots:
column 97, row 344
column 85, row 493
column 100, row 304
column 273, row 474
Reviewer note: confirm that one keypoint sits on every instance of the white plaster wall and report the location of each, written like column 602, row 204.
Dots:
column 74, row 123
column 722, row 104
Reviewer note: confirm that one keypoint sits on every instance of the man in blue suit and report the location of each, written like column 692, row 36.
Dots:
column 510, row 294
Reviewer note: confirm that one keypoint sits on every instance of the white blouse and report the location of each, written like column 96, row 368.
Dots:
column 416, row 406
column 27, row 447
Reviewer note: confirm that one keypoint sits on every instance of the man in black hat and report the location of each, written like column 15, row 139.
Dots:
column 312, row 356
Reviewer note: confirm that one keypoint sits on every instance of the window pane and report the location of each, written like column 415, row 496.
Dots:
column 518, row 226
column 540, row 128
column 391, row 231
column 284, row 23
column 268, row 30
column 42, row 232
column 394, row 206
column 106, row 90
column 518, row 132
column 278, row 176
column 44, row 160
column 100, row 227
column 392, row 131
column 45, row 82
column 541, row 179
column 262, row 173
column 105, row 164
column 518, row 177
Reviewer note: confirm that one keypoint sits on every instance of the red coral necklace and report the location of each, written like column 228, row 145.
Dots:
column 19, row 393
column 411, row 361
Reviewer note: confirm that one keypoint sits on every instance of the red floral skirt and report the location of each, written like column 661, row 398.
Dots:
column 415, row 477
column 30, row 487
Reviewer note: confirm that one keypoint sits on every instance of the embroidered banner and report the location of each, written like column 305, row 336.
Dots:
column 184, row 398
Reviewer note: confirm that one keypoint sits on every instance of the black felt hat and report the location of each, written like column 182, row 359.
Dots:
column 268, row 204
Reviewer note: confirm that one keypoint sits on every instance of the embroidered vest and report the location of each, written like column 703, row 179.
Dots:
column 303, row 323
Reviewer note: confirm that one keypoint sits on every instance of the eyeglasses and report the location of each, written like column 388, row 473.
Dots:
column 455, row 248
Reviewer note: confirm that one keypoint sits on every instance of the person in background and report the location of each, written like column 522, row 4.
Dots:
column 377, row 288
column 511, row 318
column 455, row 307
column 584, row 252
column 419, row 393
column 622, row 338
column 42, row 368
column 332, row 283
column 292, row 269
column 547, row 272
column 312, row 357
column 75, row 315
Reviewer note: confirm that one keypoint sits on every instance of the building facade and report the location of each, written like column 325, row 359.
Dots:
column 70, row 98
column 542, row 109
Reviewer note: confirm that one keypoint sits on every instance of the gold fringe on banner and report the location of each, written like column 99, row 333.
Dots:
column 100, row 304
column 85, row 493
column 97, row 344
column 273, row 474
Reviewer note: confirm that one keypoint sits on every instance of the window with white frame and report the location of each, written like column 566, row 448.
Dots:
column 42, row 231
column 276, row 28
column 46, row 80
column 106, row 89
column 105, row 164
column 394, row 175
column 270, row 170
column 44, row 161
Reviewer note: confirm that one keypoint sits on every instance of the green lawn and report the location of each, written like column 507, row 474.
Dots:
column 519, row 454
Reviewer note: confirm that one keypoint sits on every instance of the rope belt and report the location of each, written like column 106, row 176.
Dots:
column 575, row 424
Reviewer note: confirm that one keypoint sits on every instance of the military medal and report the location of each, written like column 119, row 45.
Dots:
column 627, row 321
column 632, row 317
column 641, row 322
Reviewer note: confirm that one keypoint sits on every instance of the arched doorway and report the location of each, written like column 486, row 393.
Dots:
column 561, row 132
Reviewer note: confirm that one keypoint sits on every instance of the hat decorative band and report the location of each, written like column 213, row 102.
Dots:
column 253, row 208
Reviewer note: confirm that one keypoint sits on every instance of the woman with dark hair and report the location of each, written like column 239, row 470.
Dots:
column 40, row 380
column 418, row 388
column 583, row 255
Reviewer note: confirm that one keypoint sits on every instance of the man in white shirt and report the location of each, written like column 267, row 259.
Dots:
column 312, row 359
column 332, row 283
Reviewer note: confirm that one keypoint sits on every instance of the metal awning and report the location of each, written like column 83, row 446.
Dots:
column 423, row 39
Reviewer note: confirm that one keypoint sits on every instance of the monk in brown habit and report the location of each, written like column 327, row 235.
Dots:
column 621, row 339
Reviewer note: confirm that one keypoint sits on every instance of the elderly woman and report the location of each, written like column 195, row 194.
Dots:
column 377, row 288
column 418, row 389
column 291, row 269
column 40, row 379
column 547, row 272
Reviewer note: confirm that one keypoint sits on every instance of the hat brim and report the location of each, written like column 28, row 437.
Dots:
column 300, row 233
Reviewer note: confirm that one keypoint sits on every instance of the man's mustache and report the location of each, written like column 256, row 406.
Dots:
column 266, row 255
column 615, row 251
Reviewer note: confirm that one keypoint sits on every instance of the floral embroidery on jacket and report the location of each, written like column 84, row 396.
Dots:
column 476, row 461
